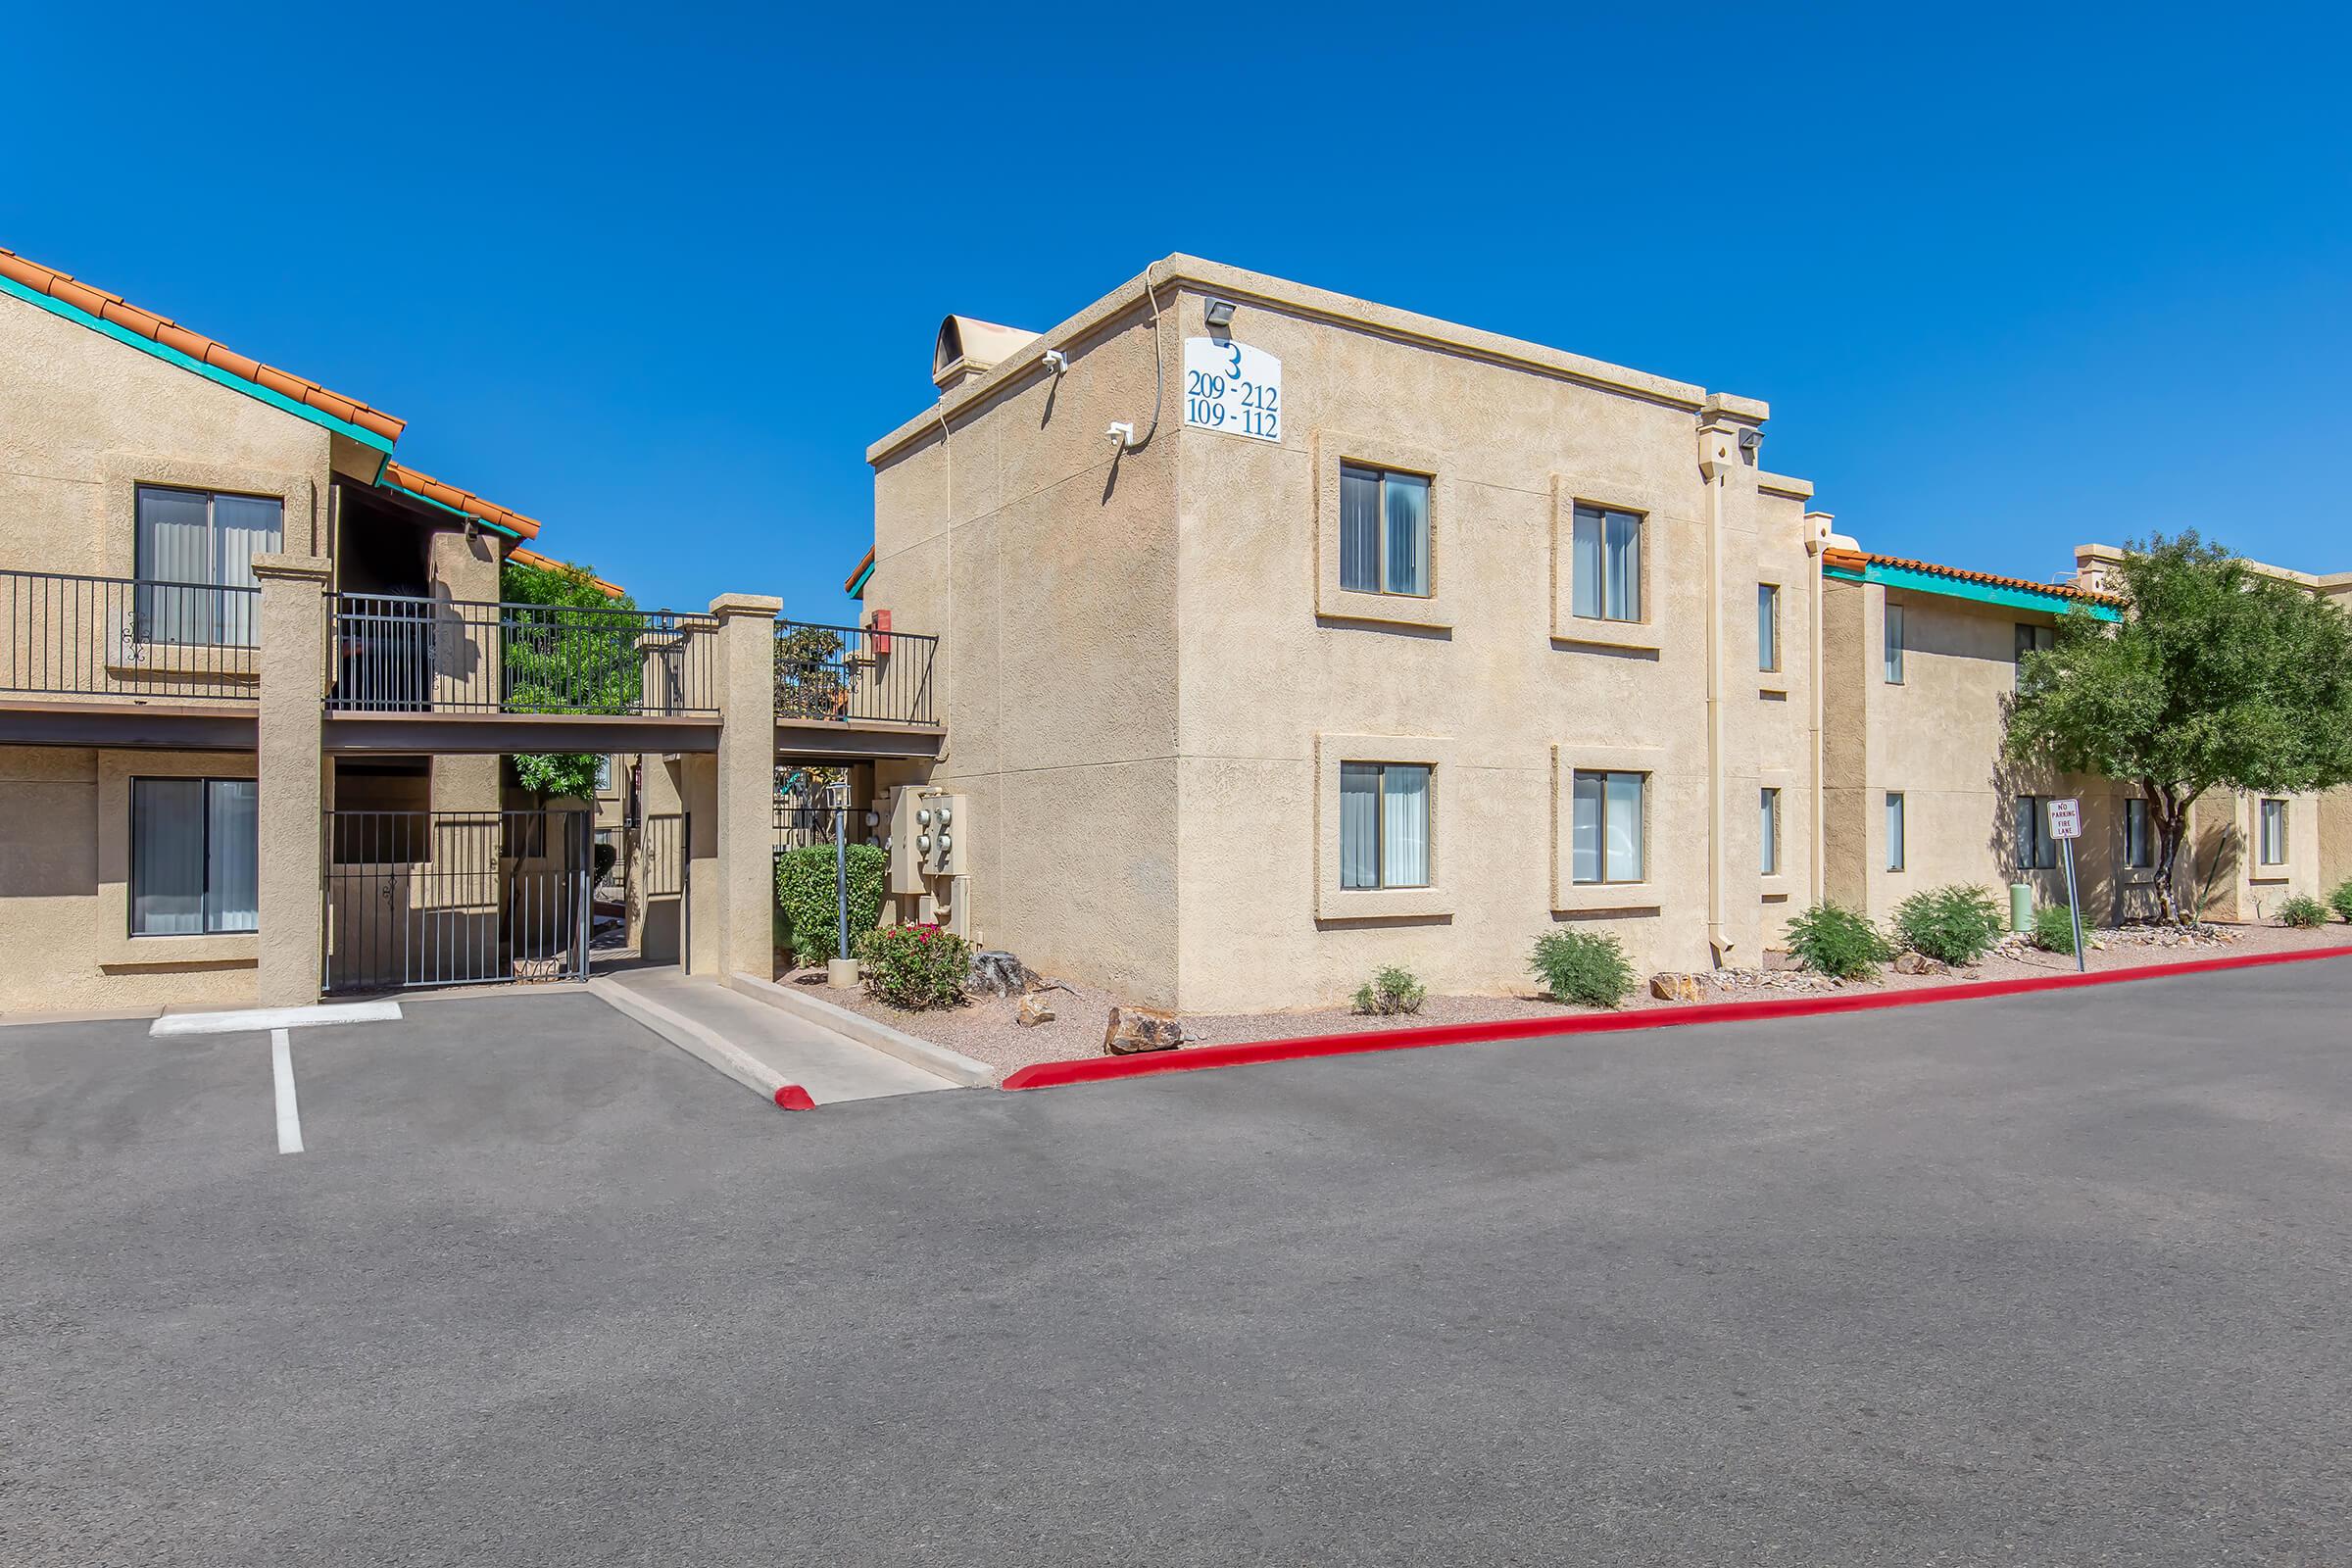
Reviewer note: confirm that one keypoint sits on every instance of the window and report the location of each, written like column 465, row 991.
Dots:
column 194, row 863
column 2136, row 835
column 2031, row 640
column 2273, row 833
column 1894, row 830
column 1384, row 531
column 1384, row 825
column 1606, row 828
column 2037, row 851
column 1768, row 625
column 189, row 544
column 1605, row 565
column 1895, row 645
column 1769, row 835
column 604, row 775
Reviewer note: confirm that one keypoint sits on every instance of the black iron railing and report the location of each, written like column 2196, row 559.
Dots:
column 72, row 636
column 844, row 674
column 396, row 654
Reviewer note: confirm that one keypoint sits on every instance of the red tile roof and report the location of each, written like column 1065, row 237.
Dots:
column 1856, row 560
column 114, row 309
column 849, row 584
column 532, row 558
column 465, row 500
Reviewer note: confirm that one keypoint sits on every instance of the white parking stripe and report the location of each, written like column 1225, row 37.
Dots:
column 281, row 1069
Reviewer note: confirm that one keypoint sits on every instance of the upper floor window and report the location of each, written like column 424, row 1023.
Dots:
column 1605, row 827
column 2037, row 850
column 2031, row 639
column 190, row 546
column 1768, row 626
column 1895, row 645
column 194, row 857
column 2136, row 835
column 1605, row 565
column 1384, row 825
column 2273, row 833
column 1384, row 531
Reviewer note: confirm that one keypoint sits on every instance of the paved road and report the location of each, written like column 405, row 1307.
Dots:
column 2048, row 1279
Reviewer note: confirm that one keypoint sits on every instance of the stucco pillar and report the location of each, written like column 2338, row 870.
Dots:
column 744, row 813
column 292, row 776
column 465, row 569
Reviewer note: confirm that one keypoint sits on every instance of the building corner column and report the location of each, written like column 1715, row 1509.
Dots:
column 290, row 769
column 746, row 783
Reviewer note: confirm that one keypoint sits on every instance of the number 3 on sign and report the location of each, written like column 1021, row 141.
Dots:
column 1232, row 387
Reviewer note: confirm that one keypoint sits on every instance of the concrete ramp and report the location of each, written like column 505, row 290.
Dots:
column 758, row 1044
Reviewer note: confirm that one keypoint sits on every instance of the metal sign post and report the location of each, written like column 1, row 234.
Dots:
column 2066, row 826
column 841, row 862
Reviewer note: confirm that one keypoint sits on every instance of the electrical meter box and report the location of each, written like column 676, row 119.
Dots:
column 928, row 829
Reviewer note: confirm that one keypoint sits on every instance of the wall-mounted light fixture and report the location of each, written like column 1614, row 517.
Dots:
column 1218, row 313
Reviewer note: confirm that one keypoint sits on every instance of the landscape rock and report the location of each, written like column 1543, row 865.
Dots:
column 1034, row 1010
column 997, row 973
column 1909, row 962
column 1667, row 986
column 1136, row 1029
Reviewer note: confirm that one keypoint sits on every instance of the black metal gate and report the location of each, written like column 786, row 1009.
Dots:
column 457, row 898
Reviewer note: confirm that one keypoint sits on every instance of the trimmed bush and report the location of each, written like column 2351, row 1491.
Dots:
column 1392, row 991
column 2341, row 898
column 2054, row 929
column 915, row 967
column 1842, row 942
column 1955, row 924
column 2303, row 910
column 1583, row 967
column 809, row 906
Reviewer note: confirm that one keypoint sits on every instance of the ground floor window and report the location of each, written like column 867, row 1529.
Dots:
column 2037, row 850
column 1894, row 830
column 1605, row 842
column 2273, row 833
column 1384, row 825
column 1769, row 834
column 2136, row 856
column 194, row 857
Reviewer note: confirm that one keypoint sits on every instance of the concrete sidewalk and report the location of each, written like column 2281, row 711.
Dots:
column 830, row 1066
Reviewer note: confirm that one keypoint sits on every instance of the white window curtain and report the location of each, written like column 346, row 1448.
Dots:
column 1605, row 829
column 1894, row 832
column 1625, row 567
column 188, row 540
column 1625, row 850
column 1768, row 626
column 2136, row 833
column 243, row 527
column 1769, row 834
column 1405, row 826
column 1604, row 564
column 232, row 869
column 2274, row 832
column 1359, row 530
column 1408, row 533
column 1584, row 831
column 166, row 856
column 1359, row 825
column 2037, row 851
column 1895, row 645
column 1584, row 564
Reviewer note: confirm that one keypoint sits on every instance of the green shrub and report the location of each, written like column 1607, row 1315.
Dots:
column 1833, row 940
column 2341, row 898
column 811, row 909
column 1955, row 924
column 2054, row 929
column 1392, row 990
column 2304, row 910
column 915, row 965
column 1583, row 967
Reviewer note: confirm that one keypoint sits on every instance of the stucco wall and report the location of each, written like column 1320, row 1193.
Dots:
column 1049, row 573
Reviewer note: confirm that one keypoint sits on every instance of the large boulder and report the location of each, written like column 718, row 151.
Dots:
column 997, row 973
column 1910, row 963
column 1134, row 1029
column 1667, row 986
column 1034, row 1010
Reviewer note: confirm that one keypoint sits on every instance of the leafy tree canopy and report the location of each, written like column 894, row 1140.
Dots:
column 559, row 664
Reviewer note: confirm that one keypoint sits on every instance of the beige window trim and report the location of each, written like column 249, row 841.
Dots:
column 117, row 947
column 1434, row 611
column 1433, row 752
column 1569, row 896
column 1571, row 629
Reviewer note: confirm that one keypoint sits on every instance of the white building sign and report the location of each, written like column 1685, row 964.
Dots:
column 2066, row 819
column 1232, row 387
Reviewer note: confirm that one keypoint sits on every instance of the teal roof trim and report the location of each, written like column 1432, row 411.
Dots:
column 2048, row 600
column 172, row 356
column 443, row 506
column 857, row 583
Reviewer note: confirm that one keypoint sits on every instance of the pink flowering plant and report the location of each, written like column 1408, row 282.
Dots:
column 915, row 967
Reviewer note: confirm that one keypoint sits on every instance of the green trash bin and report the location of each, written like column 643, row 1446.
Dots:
column 2021, row 906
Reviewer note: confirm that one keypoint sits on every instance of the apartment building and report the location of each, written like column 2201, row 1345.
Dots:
column 1286, row 635
column 257, row 681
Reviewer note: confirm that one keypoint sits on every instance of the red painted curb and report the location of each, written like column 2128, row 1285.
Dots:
column 791, row 1097
column 1095, row 1069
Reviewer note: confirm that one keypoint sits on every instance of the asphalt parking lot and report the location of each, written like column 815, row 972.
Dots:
column 2056, row 1279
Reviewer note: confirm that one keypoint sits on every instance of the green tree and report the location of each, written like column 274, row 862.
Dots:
column 2217, row 677
column 811, row 681
column 566, row 653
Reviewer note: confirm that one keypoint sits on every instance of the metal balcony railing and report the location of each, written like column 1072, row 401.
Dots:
column 63, row 635
column 393, row 653
column 852, row 673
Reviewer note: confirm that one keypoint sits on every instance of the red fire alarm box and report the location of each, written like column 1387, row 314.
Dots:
column 878, row 629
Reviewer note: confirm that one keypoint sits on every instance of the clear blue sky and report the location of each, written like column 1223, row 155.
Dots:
column 659, row 276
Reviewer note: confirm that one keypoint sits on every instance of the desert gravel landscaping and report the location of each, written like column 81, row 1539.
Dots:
column 985, row 1028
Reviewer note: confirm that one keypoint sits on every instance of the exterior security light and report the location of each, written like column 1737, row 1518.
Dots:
column 1749, row 440
column 1218, row 313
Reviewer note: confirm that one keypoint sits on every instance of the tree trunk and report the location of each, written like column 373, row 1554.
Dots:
column 2167, row 814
